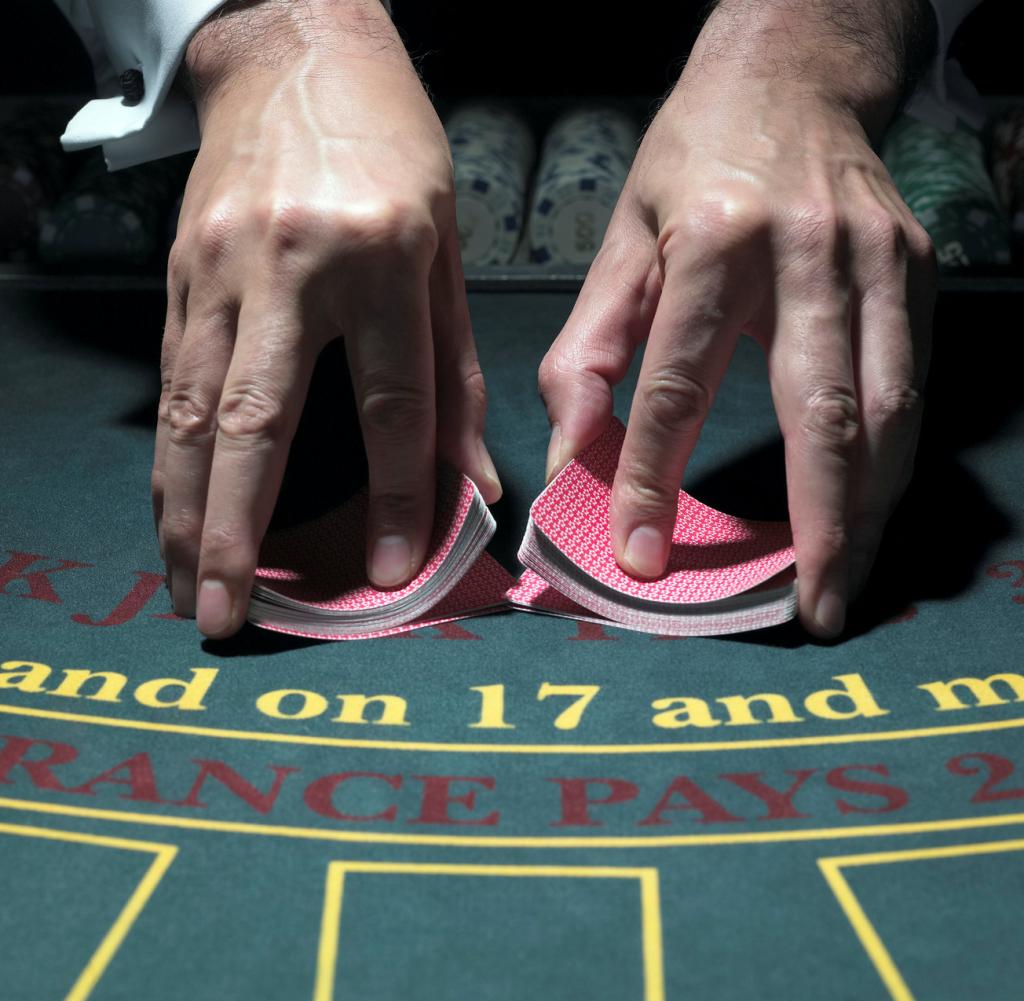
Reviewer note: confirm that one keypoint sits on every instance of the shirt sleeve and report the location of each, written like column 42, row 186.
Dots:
column 149, row 36
column 945, row 95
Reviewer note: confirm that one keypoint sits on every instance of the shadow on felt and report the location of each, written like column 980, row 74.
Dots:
column 251, row 641
column 943, row 530
column 936, row 542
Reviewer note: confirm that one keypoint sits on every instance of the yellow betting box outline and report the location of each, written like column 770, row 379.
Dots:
column 650, row 908
column 465, row 747
column 877, row 952
column 118, row 931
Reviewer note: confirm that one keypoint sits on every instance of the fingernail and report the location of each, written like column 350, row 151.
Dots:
column 213, row 614
column 490, row 474
column 183, row 593
column 646, row 551
column 830, row 613
column 392, row 556
column 554, row 458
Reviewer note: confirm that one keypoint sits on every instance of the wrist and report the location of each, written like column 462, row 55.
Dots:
column 861, row 57
column 249, row 39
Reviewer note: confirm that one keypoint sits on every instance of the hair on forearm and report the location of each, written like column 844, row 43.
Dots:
column 900, row 37
column 271, row 33
column 915, row 36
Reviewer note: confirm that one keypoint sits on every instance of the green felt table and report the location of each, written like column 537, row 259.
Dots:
column 510, row 806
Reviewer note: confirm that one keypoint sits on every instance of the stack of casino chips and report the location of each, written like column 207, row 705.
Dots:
column 110, row 220
column 492, row 154
column 584, row 161
column 943, row 179
column 33, row 169
column 1008, row 168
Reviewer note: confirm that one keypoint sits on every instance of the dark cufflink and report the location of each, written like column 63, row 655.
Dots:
column 132, row 86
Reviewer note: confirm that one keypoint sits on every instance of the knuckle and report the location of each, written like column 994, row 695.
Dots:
column 176, row 270
column 168, row 350
column 391, row 228
column 725, row 218
column 397, row 508
column 248, row 414
column 548, row 375
column 181, row 532
column 211, row 238
column 475, row 388
column 831, row 419
column 676, row 399
column 644, row 495
column 190, row 414
column 395, row 412
column 831, row 541
column 287, row 227
column 163, row 408
column 881, row 233
column 919, row 245
column 894, row 407
column 223, row 544
column 814, row 230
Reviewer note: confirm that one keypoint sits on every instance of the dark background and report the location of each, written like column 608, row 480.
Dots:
column 557, row 47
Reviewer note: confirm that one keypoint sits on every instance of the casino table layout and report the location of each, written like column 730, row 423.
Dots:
column 510, row 806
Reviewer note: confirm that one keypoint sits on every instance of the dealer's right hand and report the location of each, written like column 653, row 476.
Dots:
column 321, row 205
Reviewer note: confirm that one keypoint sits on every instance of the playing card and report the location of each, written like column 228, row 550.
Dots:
column 323, row 562
column 712, row 556
column 312, row 578
column 724, row 574
column 481, row 591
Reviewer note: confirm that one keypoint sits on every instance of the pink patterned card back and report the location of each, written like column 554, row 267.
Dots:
column 323, row 562
column 533, row 591
column 713, row 555
column 480, row 591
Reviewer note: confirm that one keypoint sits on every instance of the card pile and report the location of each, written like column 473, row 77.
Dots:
column 312, row 579
column 725, row 574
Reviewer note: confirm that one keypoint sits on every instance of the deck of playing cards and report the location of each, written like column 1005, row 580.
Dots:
column 312, row 578
column 724, row 574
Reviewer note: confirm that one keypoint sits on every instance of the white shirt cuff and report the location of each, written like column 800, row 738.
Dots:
column 149, row 36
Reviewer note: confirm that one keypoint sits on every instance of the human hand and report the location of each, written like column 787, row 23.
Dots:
column 320, row 206
column 756, row 205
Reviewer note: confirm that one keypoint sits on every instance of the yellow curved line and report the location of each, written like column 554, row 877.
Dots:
column 485, row 748
column 514, row 841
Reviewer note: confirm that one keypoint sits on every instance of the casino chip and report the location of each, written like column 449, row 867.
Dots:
column 33, row 169
column 492, row 154
column 112, row 220
column 1008, row 168
column 584, row 161
column 943, row 179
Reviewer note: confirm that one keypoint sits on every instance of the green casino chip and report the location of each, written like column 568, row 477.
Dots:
column 943, row 179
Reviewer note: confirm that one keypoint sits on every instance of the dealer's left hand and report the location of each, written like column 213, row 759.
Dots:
column 756, row 205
